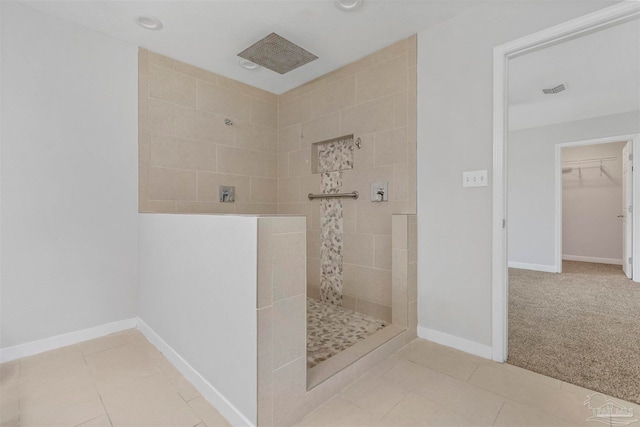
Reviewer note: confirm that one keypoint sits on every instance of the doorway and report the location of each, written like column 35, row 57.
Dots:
column 588, row 24
column 594, row 183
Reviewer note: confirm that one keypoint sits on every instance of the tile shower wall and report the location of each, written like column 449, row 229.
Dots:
column 375, row 99
column 186, row 150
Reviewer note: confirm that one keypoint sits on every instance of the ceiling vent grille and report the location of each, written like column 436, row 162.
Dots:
column 554, row 90
column 277, row 54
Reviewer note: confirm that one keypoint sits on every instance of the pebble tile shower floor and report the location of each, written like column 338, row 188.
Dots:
column 332, row 329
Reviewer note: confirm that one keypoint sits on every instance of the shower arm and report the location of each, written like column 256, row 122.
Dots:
column 352, row 195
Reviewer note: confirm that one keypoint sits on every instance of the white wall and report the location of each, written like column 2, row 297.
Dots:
column 455, row 89
column 591, row 203
column 531, row 187
column 197, row 291
column 69, row 177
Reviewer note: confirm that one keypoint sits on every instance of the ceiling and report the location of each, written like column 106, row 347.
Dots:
column 209, row 34
column 601, row 71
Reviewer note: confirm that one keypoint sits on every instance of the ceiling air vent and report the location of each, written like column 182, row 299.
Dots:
column 554, row 90
column 277, row 54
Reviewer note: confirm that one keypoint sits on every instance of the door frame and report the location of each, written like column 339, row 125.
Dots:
column 635, row 198
column 600, row 19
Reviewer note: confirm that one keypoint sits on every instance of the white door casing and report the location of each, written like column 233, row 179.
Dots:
column 627, row 208
column 617, row 13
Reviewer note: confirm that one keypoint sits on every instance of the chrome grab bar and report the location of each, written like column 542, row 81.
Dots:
column 352, row 195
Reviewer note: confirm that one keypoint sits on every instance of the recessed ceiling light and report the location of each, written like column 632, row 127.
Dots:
column 148, row 22
column 245, row 63
column 348, row 5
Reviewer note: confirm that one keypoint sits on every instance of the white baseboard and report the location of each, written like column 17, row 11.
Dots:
column 458, row 343
column 52, row 343
column 209, row 392
column 535, row 267
column 592, row 259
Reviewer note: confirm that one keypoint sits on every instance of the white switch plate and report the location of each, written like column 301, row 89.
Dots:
column 474, row 179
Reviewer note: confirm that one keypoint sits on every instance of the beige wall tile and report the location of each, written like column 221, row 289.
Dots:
column 264, row 113
column 205, row 207
column 383, row 79
column 204, row 126
column 161, row 206
column 314, row 241
column 143, row 61
column 171, row 184
column 373, row 309
column 289, row 388
column 364, row 157
column 289, row 338
column 256, row 208
column 412, row 281
column 245, row 89
column 367, row 283
column 313, row 271
column 289, row 225
column 208, row 187
column 375, row 218
column 283, row 165
column 399, row 235
column 303, row 209
column 368, row 117
column 333, row 97
column 360, row 180
column 172, row 86
column 391, row 147
column 412, row 236
column 349, row 213
column 265, row 266
column 297, row 110
column 181, row 67
column 288, row 190
column 219, row 100
column 382, row 252
column 172, row 152
column 143, row 103
column 358, row 249
column 255, row 137
column 309, row 184
column 271, row 166
column 162, row 117
column 240, row 161
column 300, row 163
column 264, row 190
column 399, row 288
column 321, row 129
column 313, row 292
column 289, row 272
column 289, row 138
column 349, row 302
column 400, row 110
column 398, row 186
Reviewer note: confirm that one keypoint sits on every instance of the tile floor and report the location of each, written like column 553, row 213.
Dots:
column 426, row 384
column 332, row 329
column 122, row 380
column 117, row 380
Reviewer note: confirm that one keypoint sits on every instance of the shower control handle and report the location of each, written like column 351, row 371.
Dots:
column 620, row 216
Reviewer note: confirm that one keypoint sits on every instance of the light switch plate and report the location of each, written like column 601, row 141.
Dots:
column 474, row 179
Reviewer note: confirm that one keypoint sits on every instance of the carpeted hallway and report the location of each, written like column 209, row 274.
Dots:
column 581, row 326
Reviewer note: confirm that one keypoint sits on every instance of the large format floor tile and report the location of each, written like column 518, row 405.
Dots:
column 117, row 380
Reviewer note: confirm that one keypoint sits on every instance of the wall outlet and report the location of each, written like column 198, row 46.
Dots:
column 475, row 179
column 227, row 193
column 380, row 191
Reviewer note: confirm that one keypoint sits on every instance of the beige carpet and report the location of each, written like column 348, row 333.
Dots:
column 581, row 326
